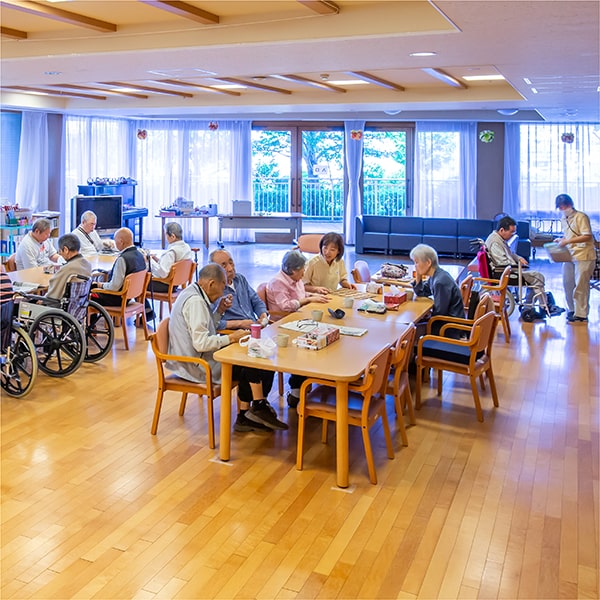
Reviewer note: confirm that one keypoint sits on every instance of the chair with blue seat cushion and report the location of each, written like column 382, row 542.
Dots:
column 470, row 357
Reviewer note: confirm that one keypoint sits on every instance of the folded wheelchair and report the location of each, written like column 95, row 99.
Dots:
column 68, row 331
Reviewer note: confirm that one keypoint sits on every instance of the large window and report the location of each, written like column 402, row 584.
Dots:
column 10, row 131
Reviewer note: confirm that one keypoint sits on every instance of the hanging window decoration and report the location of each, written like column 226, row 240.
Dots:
column 567, row 138
column 213, row 126
column 486, row 136
column 356, row 134
column 142, row 134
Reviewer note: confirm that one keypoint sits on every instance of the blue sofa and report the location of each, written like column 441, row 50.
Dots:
column 448, row 236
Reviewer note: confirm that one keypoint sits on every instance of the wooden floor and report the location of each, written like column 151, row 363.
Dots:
column 93, row 506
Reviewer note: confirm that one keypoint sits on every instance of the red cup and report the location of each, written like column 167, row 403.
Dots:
column 255, row 330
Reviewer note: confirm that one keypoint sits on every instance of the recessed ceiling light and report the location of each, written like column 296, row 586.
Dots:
column 52, row 72
column 508, row 112
column 527, row 81
column 392, row 111
column 423, row 54
column 483, row 77
column 534, row 90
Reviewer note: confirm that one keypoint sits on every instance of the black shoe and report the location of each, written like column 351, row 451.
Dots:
column 575, row 319
column 570, row 314
column 243, row 424
column 150, row 315
column 555, row 310
column 292, row 400
column 263, row 412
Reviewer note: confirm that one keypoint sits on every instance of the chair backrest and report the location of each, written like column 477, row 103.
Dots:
column 261, row 290
column 486, row 326
column 135, row 285
column 182, row 272
column 309, row 242
column 466, row 287
column 486, row 304
column 11, row 263
column 77, row 297
column 160, row 339
column 402, row 349
column 382, row 363
column 361, row 269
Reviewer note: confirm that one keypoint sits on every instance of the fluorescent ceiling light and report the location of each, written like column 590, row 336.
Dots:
column 508, row 112
column 527, row 81
column 483, row 77
column 349, row 82
column 123, row 89
column 229, row 86
column 534, row 90
column 423, row 54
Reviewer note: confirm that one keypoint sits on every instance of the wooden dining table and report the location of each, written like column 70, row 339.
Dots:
column 343, row 361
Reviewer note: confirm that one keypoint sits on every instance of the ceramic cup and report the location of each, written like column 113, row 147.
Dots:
column 282, row 340
column 409, row 295
column 348, row 302
column 317, row 315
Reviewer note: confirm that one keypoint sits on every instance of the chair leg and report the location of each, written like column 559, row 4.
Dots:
column 300, row 444
column 418, row 387
column 182, row 403
column 160, row 310
column 159, row 399
column 478, row 410
column 369, row 455
column 482, row 382
column 211, row 422
column 439, row 382
column 386, row 428
column 280, row 383
column 408, row 403
column 492, row 381
column 324, row 431
column 124, row 328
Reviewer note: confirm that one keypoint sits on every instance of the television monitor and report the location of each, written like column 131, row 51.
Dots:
column 108, row 209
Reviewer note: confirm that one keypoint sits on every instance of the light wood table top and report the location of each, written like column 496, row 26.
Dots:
column 342, row 361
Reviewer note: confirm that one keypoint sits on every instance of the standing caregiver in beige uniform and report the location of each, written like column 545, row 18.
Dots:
column 578, row 238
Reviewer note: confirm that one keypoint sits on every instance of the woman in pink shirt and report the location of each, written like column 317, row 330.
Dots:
column 286, row 292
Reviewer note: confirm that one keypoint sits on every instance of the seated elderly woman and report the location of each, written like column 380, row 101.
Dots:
column 431, row 280
column 286, row 293
column 327, row 270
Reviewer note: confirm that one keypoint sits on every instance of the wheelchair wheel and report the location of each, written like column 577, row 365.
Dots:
column 59, row 343
column 99, row 332
column 19, row 368
column 511, row 303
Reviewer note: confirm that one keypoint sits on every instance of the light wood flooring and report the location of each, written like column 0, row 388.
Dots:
column 93, row 506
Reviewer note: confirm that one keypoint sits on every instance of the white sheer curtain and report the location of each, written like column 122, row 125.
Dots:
column 539, row 165
column 445, row 170
column 32, row 175
column 189, row 159
column 93, row 147
column 354, row 157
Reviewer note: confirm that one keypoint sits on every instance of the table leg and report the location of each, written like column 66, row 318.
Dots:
column 225, row 435
column 341, row 432
column 205, row 231
column 162, row 232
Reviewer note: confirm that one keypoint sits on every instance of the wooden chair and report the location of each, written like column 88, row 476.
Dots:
column 11, row 264
column 180, row 276
column 398, row 385
column 171, row 382
column 466, row 286
column 134, row 288
column 361, row 272
column 309, row 242
column 470, row 357
column 498, row 290
column 366, row 403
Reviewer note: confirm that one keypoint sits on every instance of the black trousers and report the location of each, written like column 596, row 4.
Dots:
column 247, row 375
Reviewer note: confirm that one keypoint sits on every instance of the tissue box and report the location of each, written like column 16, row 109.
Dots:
column 318, row 338
column 393, row 301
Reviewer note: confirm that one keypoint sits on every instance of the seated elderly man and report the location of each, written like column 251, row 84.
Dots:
column 36, row 250
column 130, row 260
column 176, row 250
column 193, row 332
column 68, row 248
column 246, row 307
column 88, row 236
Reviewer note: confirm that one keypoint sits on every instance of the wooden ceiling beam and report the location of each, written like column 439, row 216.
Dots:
column 376, row 80
column 58, row 14
column 15, row 34
column 197, row 85
column 83, row 88
column 322, row 7
column 252, row 84
column 34, row 90
column 318, row 84
column 145, row 88
column 183, row 9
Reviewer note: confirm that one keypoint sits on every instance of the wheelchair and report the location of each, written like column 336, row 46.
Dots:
column 66, row 332
column 18, row 361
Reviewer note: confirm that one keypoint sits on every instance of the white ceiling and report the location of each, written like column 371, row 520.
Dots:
column 554, row 45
